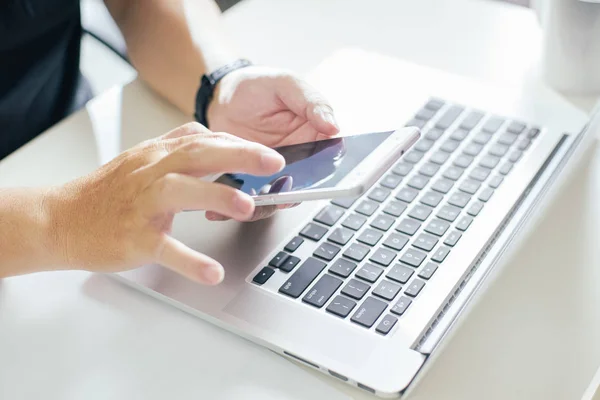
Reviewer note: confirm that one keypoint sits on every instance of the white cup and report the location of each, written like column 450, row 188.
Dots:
column 571, row 45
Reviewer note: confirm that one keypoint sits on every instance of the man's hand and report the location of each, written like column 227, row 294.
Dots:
column 272, row 107
column 120, row 216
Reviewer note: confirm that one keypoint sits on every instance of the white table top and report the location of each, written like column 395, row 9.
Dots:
column 72, row 335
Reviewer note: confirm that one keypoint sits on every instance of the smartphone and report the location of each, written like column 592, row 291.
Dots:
column 326, row 169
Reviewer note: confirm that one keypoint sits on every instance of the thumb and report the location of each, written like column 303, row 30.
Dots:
column 306, row 102
column 189, row 263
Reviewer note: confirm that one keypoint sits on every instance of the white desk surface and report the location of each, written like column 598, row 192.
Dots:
column 73, row 335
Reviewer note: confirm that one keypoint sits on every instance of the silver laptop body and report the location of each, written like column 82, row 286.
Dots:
column 373, row 309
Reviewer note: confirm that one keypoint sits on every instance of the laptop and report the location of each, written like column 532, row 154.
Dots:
column 367, row 290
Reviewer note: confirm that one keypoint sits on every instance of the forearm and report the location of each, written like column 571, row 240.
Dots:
column 26, row 239
column 172, row 43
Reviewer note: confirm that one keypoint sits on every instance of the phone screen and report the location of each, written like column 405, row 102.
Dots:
column 314, row 165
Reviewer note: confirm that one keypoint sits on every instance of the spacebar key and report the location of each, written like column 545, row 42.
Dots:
column 297, row 283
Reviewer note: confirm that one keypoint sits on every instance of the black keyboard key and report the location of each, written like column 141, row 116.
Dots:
column 533, row 133
column 489, row 161
column 341, row 306
column 505, row 168
column 428, row 270
column 453, row 173
column 413, row 257
column 342, row 267
column 413, row 156
column 395, row 208
column 304, row 275
column 434, row 104
column 368, row 312
column 387, row 290
column 407, row 195
column 294, row 244
column 322, row 290
column 313, row 231
column 326, row 251
column 515, row 156
column 459, row 134
column 408, row 226
column 369, row 273
column 516, row 127
column 482, row 138
column 383, row 222
column 475, row 208
column 507, row 138
column 498, row 150
column 471, row 120
column 485, row 194
column 383, row 257
column 492, row 124
column 442, row 185
column 434, row 134
column 356, row 252
column 370, row 237
column 470, row 186
column 432, row 199
column 437, row 227
column 452, row 238
column 355, row 289
column 418, row 182
column 354, row 222
column 329, row 215
column 289, row 264
column 464, row 223
column 473, row 149
column 419, row 123
column 449, row 117
column 463, row 161
column 440, row 254
column 414, row 288
column 366, row 207
column 425, row 242
column 420, row 212
column 340, row 236
column 448, row 213
column 279, row 259
column 345, row 202
column 459, row 199
column 263, row 275
column 401, row 306
column 524, row 144
column 425, row 114
column 387, row 323
column 479, row 173
column 379, row 194
column 391, row 181
column 396, row 241
column 402, row 169
column 424, row 145
column 400, row 273
column 450, row 145
column 439, row 157
column 496, row 181
column 429, row 169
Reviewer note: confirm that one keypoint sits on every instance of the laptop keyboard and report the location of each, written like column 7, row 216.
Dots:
column 380, row 250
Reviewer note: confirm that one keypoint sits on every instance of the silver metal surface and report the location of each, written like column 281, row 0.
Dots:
column 386, row 364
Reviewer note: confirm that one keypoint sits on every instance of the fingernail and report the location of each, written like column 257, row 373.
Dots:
column 213, row 274
column 272, row 161
column 327, row 116
column 243, row 203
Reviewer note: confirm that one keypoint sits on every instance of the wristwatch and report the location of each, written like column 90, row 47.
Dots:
column 207, row 87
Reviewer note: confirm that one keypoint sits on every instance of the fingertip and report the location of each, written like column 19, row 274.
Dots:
column 244, row 205
column 328, row 125
column 271, row 161
column 212, row 274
